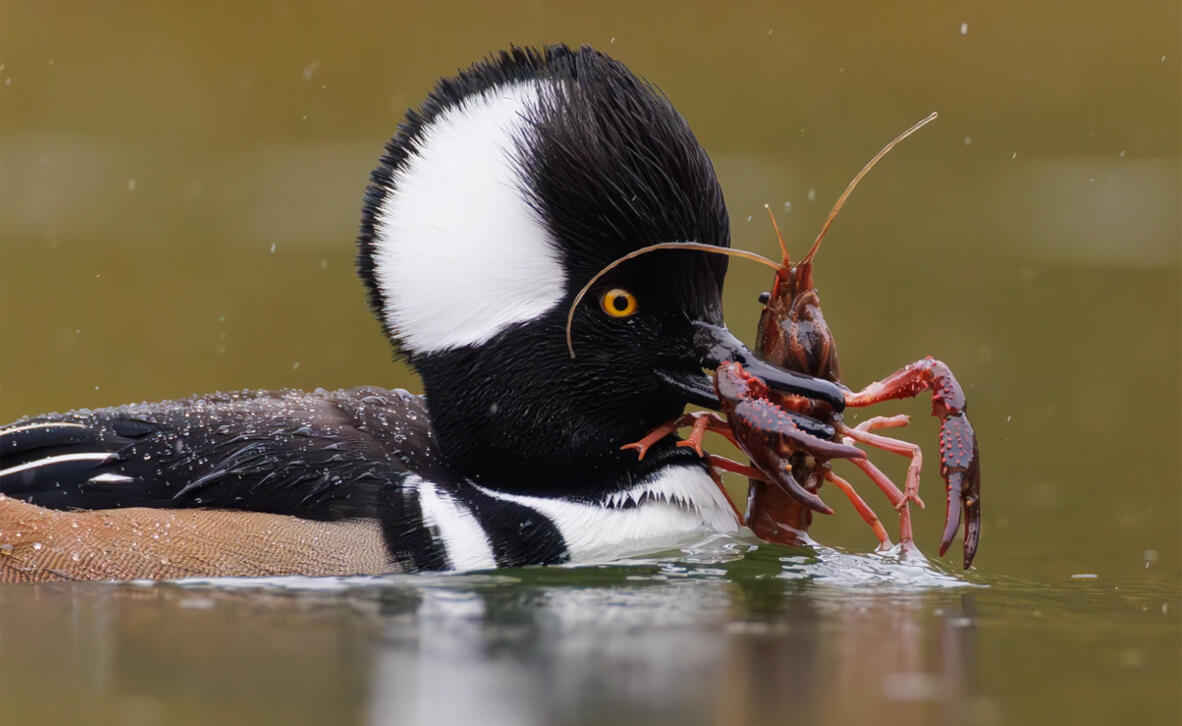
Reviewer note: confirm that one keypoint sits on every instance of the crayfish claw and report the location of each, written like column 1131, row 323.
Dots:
column 808, row 499
column 785, row 481
column 960, row 467
column 824, row 448
column 951, row 513
column 972, row 531
column 970, row 496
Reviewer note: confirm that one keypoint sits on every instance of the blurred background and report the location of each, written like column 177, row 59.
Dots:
column 179, row 193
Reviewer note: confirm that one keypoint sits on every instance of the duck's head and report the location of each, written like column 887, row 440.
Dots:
column 499, row 198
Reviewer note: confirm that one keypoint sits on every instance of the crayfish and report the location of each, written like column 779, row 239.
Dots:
column 793, row 334
column 791, row 440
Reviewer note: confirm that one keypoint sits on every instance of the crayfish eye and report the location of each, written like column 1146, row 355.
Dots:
column 764, row 297
column 618, row 302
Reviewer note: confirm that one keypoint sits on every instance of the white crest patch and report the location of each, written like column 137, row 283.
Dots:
column 459, row 253
column 677, row 507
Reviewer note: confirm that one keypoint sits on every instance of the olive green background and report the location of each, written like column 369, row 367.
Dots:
column 179, row 192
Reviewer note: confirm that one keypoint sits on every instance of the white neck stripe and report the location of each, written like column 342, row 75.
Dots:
column 463, row 538
column 676, row 507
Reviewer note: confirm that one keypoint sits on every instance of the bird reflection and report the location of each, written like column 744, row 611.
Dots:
column 697, row 644
column 764, row 637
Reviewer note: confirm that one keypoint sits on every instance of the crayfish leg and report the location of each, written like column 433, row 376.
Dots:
column 876, row 475
column 702, row 421
column 868, row 515
column 714, row 475
column 925, row 374
column 883, row 422
column 725, row 464
column 895, row 446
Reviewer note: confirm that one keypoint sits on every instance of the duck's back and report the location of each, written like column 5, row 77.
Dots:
column 249, row 483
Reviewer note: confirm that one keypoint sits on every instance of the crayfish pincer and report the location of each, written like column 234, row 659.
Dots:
column 769, row 435
column 960, row 465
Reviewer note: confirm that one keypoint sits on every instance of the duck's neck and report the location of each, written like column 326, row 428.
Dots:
column 545, row 448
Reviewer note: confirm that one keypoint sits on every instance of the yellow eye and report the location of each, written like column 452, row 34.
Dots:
column 618, row 302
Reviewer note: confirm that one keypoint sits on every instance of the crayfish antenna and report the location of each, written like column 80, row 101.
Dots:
column 857, row 178
column 780, row 237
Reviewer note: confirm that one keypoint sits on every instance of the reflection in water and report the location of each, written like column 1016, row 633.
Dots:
column 730, row 634
column 705, row 641
column 868, row 659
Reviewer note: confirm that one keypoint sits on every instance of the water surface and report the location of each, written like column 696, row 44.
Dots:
column 179, row 191
column 726, row 633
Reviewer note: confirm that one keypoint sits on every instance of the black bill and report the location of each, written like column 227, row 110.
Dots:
column 715, row 344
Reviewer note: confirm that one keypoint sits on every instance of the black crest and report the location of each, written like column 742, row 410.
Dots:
column 608, row 163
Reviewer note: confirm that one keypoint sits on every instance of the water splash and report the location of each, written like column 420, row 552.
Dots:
column 719, row 558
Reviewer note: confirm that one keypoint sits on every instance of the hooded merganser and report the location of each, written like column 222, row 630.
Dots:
column 507, row 190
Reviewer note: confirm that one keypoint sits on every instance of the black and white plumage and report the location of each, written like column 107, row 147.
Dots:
column 497, row 200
